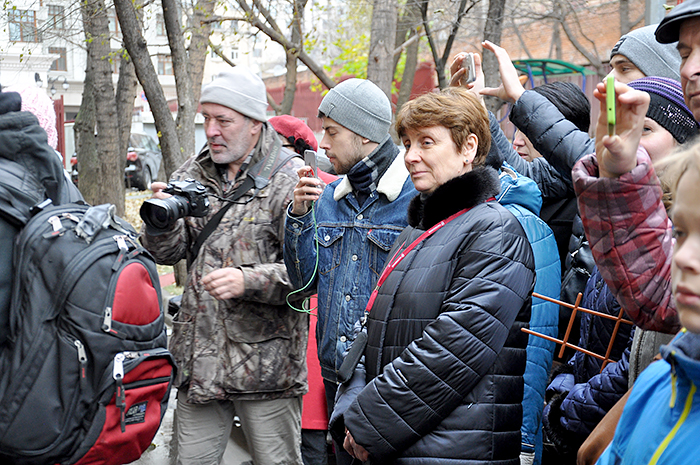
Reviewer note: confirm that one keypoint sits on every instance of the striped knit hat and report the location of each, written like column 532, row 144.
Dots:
column 667, row 106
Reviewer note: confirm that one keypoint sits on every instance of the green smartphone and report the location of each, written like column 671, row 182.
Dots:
column 610, row 100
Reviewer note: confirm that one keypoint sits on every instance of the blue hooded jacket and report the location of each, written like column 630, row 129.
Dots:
column 521, row 196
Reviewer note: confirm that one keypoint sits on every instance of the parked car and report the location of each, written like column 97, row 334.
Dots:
column 143, row 160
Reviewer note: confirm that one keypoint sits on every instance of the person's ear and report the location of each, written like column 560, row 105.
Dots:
column 256, row 127
column 470, row 148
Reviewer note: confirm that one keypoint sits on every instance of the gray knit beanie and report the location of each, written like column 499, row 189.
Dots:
column 360, row 106
column 651, row 57
column 240, row 90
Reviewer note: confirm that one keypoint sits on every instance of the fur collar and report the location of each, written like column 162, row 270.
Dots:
column 465, row 191
column 390, row 184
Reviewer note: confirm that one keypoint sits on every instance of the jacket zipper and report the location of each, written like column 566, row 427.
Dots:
column 684, row 415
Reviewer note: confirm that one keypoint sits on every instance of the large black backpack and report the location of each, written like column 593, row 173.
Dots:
column 85, row 376
column 84, row 371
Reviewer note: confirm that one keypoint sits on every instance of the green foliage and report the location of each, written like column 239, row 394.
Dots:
column 352, row 59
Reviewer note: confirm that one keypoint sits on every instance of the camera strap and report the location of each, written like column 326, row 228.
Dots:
column 258, row 177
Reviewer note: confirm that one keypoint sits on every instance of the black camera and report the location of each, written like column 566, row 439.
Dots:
column 189, row 198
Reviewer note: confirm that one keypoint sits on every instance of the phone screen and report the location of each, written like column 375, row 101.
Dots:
column 310, row 160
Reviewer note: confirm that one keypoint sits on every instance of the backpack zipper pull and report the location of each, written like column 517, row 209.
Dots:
column 82, row 359
column 107, row 321
column 56, row 226
column 123, row 249
column 120, row 396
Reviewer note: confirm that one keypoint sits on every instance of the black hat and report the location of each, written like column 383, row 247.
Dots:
column 670, row 26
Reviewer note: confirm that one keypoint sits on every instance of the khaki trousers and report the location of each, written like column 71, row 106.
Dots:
column 272, row 430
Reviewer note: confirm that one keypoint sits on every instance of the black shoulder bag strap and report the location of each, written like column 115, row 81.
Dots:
column 265, row 169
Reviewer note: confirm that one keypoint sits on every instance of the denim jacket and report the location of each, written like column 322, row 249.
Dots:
column 353, row 243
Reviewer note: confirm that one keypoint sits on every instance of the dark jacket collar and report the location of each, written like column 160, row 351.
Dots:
column 465, row 191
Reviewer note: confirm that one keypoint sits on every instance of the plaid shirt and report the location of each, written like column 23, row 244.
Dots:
column 630, row 237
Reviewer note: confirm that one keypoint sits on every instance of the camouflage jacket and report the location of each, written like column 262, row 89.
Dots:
column 251, row 347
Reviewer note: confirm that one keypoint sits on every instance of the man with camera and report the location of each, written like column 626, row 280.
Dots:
column 240, row 349
column 355, row 219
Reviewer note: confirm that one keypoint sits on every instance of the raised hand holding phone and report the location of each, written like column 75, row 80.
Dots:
column 309, row 186
column 617, row 141
column 469, row 69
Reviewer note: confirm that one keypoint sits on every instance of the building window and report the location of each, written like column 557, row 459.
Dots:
column 257, row 53
column 160, row 26
column 114, row 24
column 165, row 65
column 59, row 64
column 115, row 61
column 56, row 17
column 23, row 26
column 234, row 54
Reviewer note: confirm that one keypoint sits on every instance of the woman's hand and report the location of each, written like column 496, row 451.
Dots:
column 307, row 190
column 354, row 449
column 511, row 88
column 617, row 154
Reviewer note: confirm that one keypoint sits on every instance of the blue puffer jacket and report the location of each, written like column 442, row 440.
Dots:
column 662, row 415
column 521, row 196
column 580, row 394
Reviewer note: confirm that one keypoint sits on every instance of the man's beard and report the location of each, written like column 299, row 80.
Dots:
column 345, row 166
column 228, row 153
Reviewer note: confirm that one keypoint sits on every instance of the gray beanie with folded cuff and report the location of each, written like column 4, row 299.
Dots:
column 651, row 57
column 240, row 90
column 360, row 106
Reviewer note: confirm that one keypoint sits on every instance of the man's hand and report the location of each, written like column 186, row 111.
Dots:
column 510, row 89
column 157, row 188
column 617, row 154
column 354, row 449
column 224, row 283
column 307, row 190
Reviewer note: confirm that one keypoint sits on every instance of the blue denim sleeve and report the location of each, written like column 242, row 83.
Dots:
column 300, row 249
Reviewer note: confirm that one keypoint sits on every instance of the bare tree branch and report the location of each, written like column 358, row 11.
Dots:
column 278, row 37
column 228, row 61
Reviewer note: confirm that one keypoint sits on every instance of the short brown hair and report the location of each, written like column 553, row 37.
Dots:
column 454, row 108
column 670, row 169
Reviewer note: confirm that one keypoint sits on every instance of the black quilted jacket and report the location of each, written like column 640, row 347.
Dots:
column 445, row 353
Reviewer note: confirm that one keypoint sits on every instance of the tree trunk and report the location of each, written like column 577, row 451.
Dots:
column 410, row 24
column 625, row 25
column 126, row 93
column 380, row 63
column 409, row 73
column 138, row 51
column 111, row 184
column 197, row 50
column 290, row 84
column 186, row 106
column 492, row 33
column 89, row 170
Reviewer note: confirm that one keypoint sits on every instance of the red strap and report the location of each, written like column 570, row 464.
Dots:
column 396, row 259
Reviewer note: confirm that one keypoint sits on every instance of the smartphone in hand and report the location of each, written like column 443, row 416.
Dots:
column 468, row 65
column 610, row 103
column 310, row 160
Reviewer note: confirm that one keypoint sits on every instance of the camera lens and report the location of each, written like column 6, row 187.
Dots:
column 158, row 213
